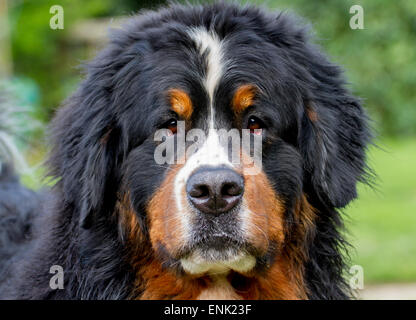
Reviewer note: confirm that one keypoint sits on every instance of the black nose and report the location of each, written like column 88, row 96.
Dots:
column 215, row 190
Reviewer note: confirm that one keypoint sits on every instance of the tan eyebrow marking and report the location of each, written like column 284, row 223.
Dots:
column 244, row 97
column 180, row 103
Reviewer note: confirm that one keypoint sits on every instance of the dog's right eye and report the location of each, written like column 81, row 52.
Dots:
column 255, row 123
column 172, row 125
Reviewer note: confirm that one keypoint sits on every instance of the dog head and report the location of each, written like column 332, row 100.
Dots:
column 171, row 85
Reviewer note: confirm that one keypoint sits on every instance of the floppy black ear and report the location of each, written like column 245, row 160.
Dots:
column 99, row 177
column 334, row 133
column 83, row 153
column 86, row 140
column 334, row 140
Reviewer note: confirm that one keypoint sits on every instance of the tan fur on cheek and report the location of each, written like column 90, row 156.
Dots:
column 265, row 210
column 152, row 280
column 265, row 224
column 284, row 279
column 166, row 225
column 128, row 220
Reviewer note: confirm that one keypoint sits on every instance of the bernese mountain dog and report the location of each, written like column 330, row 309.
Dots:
column 123, row 225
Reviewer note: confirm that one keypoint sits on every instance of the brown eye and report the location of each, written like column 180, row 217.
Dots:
column 254, row 123
column 172, row 125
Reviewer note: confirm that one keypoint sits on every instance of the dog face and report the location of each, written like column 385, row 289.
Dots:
column 208, row 212
column 214, row 69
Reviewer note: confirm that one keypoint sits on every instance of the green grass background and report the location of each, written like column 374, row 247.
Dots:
column 382, row 221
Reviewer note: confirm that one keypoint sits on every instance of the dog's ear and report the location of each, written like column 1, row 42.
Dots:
column 334, row 133
column 85, row 144
column 334, row 138
column 99, row 176
column 88, row 142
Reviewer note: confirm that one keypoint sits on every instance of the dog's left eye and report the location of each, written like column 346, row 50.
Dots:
column 254, row 123
column 172, row 125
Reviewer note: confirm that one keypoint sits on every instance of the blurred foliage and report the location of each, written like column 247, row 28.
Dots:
column 380, row 60
column 48, row 56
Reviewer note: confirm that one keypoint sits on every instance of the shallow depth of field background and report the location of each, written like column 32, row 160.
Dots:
column 38, row 67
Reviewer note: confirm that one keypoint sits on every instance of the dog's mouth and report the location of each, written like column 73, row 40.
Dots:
column 197, row 264
column 216, row 255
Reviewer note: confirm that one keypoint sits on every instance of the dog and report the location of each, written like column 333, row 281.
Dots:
column 121, row 225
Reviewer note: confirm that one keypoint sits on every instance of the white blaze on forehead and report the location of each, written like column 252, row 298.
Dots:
column 210, row 45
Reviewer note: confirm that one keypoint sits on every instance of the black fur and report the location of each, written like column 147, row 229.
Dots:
column 18, row 207
column 102, row 142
